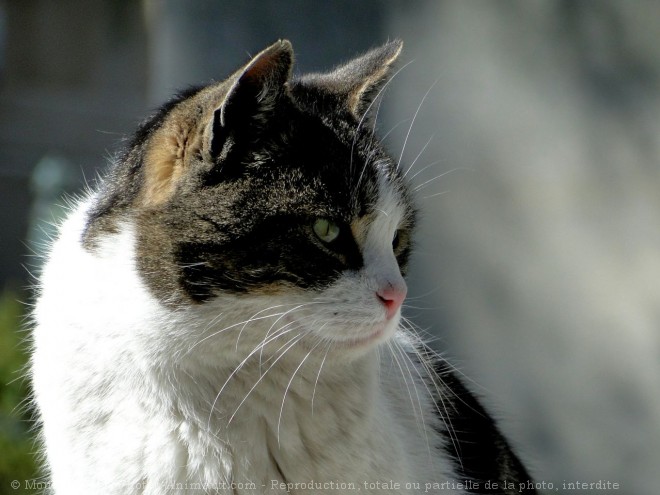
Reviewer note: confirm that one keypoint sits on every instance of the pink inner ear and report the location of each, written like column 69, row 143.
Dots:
column 274, row 63
column 259, row 70
column 262, row 81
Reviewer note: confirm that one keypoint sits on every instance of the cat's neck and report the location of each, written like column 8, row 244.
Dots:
column 304, row 415
column 280, row 392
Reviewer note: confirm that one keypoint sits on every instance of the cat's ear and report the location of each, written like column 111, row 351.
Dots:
column 252, row 97
column 358, row 82
column 209, row 120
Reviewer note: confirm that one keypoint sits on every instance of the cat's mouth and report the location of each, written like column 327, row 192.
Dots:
column 364, row 341
column 379, row 333
column 366, row 336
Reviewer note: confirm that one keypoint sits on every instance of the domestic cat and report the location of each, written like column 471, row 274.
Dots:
column 223, row 314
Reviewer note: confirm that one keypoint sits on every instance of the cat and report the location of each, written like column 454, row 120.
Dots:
column 223, row 313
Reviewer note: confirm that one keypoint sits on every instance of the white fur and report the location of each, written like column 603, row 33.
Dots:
column 139, row 398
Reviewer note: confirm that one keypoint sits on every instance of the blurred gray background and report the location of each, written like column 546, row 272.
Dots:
column 536, row 152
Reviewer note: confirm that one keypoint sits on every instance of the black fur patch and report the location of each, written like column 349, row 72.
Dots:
column 246, row 224
column 481, row 454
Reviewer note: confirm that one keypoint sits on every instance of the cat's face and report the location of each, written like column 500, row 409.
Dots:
column 267, row 206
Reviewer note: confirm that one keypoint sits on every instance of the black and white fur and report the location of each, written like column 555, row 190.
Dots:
column 223, row 314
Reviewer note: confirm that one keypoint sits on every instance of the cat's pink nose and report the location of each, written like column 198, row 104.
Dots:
column 392, row 298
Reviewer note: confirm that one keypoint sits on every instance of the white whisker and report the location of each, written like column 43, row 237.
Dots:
column 366, row 112
column 405, row 141
column 240, row 366
column 419, row 187
column 405, row 357
column 423, row 169
column 394, row 127
column 293, row 322
column 293, row 341
column 234, row 325
column 421, row 152
column 279, row 315
column 405, row 380
column 318, row 375
column 436, row 380
column 421, row 406
column 288, row 385
column 434, row 195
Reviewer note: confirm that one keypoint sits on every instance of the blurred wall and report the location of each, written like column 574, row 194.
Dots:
column 540, row 252
column 77, row 76
column 73, row 82
column 537, row 265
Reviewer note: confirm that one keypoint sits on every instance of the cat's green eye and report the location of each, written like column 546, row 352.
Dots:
column 325, row 229
column 400, row 241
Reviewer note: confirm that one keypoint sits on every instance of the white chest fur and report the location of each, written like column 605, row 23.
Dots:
column 126, row 410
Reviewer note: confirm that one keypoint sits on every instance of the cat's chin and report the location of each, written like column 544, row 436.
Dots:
column 358, row 337
column 379, row 334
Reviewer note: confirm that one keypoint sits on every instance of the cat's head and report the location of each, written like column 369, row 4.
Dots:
column 267, row 199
